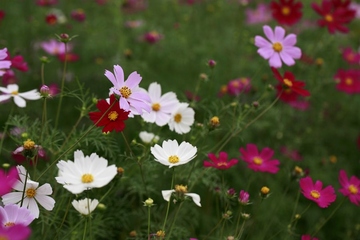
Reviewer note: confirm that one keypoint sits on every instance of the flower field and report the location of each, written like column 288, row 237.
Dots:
column 179, row 119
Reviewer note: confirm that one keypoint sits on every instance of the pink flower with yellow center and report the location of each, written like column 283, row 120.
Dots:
column 350, row 187
column 259, row 161
column 221, row 162
column 315, row 192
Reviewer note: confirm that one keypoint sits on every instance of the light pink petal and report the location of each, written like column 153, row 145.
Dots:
column 262, row 42
column 266, row 53
column 279, row 34
column 289, row 41
column 287, row 59
column 119, row 75
column 112, row 79
column 133, row 80
column 275, row 61
column 294, row 52
column 269, row 33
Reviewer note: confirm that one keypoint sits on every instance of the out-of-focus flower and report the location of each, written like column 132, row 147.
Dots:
column 238, row 86
column 133, row 6
column 46, row 2
column 54, row 89
column 132, row 97
column 54, row 47
column 7, row 180
column 182, row 118
column 13, row 214
column 134, row 23
column 244, row 197
column 181, row 193
column 115, row 117
column 221, row 162
column 259, row 15
column 292, row 154
column 12, row 90
column 16, row 232
column 51, row 19
column 17, row 62
column 9, row 77
column 351, row 56
column 350, row 187
column 161, row 105
column 278, row 48
column 192, row 96
column 299, row 104
column 78, row 15
column 69, row 57
column 33, row 194
column 2, row 14
column 172, row 154
column 335, row 14
column 356, row 7
column 315, row 192
column 348, row 81
column 308, row 237
column 147, row 137
column 28, row 149
column 259, row 161
column 85, row 206
column 152, row 37
column 4, row 64
column 85, row 172
column 286, row 12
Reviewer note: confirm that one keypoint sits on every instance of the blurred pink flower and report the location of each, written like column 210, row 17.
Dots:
column 17, row 62
column 261, row 14
column 54, row 47
column 308, row 237
column 220, row 162
column 152, row 37
column 238, row 86
column 7, row 180
column 78, row 15
column 46, row 2
column 244, row 197
column 315, row 192
column 18, row 232
column 299, row 104
column 350, row 187
column 134, row 23
column 2, row 14
column 13, row 214
column 133, row 6
column 351, row 56
column 356, row 7
column 4, row 64
column 292, row 154
column 348, row 81
column 9, row 77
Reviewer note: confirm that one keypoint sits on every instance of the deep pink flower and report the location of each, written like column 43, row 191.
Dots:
column 9, row 77
column 16, row 232
column 7, row 180
column 4, row 64
column 323, row 197
column 244, row 197
column 259, row 161
column 308, row 237
column 299, row 104
column 279, row 48
column 78, row 15
column 351, row 56
column 221, row 162
column 2, row 14
column 348, row 81
column 350, row 187
column 238, row 86
column 259, row 15
column 69, row 57
column 152, row 37
column 17, row 62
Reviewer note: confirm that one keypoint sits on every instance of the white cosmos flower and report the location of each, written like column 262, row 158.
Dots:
column 161, row 106
column 181, row 192
column 12, row 90
column 182, row 118
column 85, row 172
column 171, row 154
column 85, row 206
column 33, row 194
column 148, row 138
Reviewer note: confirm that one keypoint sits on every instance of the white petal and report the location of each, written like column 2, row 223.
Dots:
column 167, row 194
column 30, row 95
column 45, row 201
column 4, row 97
column 20, row 102
column 195, row 197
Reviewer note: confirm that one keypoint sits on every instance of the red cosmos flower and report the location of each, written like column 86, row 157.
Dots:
column 17, row 62
column 308, row 237
column 351, row 56
column 286, row 12
column 335, row 13
column 115, row 117
column 78, row 15
column 46, row 2
column 350, row 187
column 51, row 19
column 221, row 162
column 70, row 57
column 259, row 161
column 323, row 197
column 288, row 87
column 348, row 81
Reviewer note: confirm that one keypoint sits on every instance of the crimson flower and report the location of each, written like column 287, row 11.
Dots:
column 335, row 13
column 17, row 62
column 351, row 56
column 348, row 81
column 350, row 187
column 221, row 162
column 51, row 19
column 286, row 12
column 259, row 161
column 315, row 192
column 115, row 117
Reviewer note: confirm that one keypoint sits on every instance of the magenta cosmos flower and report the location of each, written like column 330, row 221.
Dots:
column 350, row 187
column 132, row 98
column 18, row 232
column 278, row 48
column 262, row 161
column 323, row 197
column 8, row 180
column 221, row 162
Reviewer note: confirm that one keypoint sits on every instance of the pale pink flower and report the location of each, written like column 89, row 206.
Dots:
column 13, row 214
column 4, row 64
column 54, row 47
column 261, row 14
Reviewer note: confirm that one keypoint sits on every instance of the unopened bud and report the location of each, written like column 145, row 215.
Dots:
column 211, row 63
column 45, row 91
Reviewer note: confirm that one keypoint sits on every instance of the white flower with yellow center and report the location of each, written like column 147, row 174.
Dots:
column 85, row 206
column 171, row 154
column 12, row 90
column 33, row 194
column 182, row 118
column 85, row 172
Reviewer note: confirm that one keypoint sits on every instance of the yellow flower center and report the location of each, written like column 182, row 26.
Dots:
column 87, row 178
column 214, row 121
column 30, row 193
column 159, row 233
column 287, row 82
column 156, row 107
column 28, row 144
column 2, row 237
column 177, row 117
column 221, row 164
column 265, row 190
column 285, row 11
column 257, row 160
column 348, row 81
column 315, row 194
column 9, row 224
column 181, row 188
column 14, row 93
column 173, row 159
column 277, row 47
column 328, row 18
column 125, row 92
column 113, row 115
column 298, row 170
column 353, row 189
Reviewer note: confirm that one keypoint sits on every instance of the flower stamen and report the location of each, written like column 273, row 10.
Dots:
column 277, row 47
column 257, row 160
column 113, row 115
column 28, row 144
column 287, row 82
column 156, row 107
column 87, row 178
column 30, row 193
column 177, row 118
column 285, row 11
column 315, row 194
column 353, row 189
column 125, row 91
column 173, row 159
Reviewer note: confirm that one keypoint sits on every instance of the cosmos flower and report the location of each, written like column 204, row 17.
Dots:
column 16, row 232
column 8, row 180
column 85, row 172
column 182, row 118
column 148, row 138
column 259, row 15
column 4, row 64
column 279, row 48
column 54, row 47
column 17, row 62
column 172, row 154
column 351, row 56
column 132, row 98
column 181, row 193
column 115, row 117
column 348, row 81
column 315, row 192
column 244, row 197
column 13, row 214
column 33, row 194
column 221, row 162
column 350, row 187
column 85, row 206
column 308, row 237
column 238, row 86
column 161, row 105
column 259, row 161
column 12, row 90
column 286, row 12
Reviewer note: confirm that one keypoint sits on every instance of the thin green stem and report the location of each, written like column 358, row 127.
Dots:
column 6, row 128
column 238, row 220
column 127, row 144
column 241, row 230
column 85, row 229
column 212, row 230
column 149, row 216
column 62, row 89
column 173, row 223
column 64, row 217
column 71, row 132
column 168, row 206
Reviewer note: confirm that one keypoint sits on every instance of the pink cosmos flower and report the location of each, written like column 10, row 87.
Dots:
column 13, row 214
column 7, row 180
column 244, row 197
column 220, row 163
column 18, row 232
column 54, row 47
column 238, row 86
column 261, row 14
column 351, row 56
column 4, row 64
column 292, row 154
column 323, row 197
column 350, row 187
column 9, row 77
column 279, row 48
column 259, row 161
column 17, row 62
column 308, row 237
column 348, row 81
column 132, row 98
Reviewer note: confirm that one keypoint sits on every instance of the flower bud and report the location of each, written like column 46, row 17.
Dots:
column 264, row 192
column 211, row 63
column 149, row 202
column 45, row 91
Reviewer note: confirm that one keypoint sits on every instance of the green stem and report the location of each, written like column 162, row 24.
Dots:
column 168, row 206
column 216, row 226
column 241, row 230
column 148, row 230
column 84, row 234
column 6, row 128
column 173, row 223
column 62, row 89
column 238, row 221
